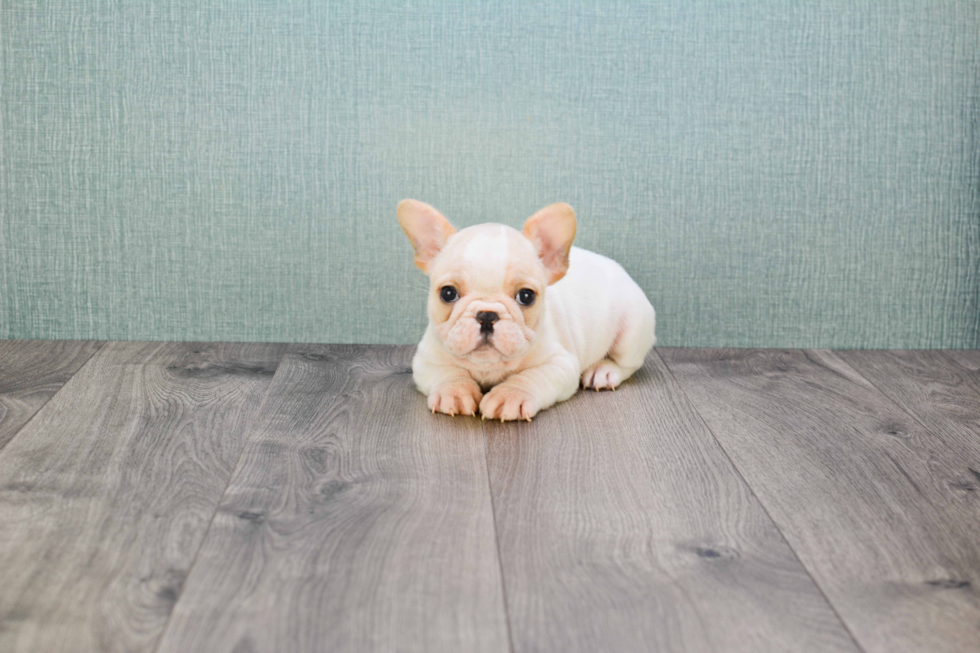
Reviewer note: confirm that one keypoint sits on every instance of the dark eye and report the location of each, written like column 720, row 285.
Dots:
column 525, row 296
column 448, row 294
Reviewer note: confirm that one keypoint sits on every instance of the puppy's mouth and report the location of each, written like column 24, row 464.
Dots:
column 485, row 344
column 485, row 351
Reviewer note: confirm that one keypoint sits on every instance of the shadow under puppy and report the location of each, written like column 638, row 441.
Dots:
column 521, row 315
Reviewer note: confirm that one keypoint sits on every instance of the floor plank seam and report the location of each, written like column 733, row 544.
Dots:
column 496, row 537
column 56, row 393
column 762, row 505
column 217, row 506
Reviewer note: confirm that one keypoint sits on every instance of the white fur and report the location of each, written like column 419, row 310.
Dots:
column 594, row 303
column 597, row 329
column 489, row 255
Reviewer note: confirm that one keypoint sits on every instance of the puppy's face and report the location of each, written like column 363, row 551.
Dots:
column 487, row 294
column 487, row 282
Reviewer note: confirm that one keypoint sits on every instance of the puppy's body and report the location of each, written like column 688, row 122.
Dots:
column 592, row 325
column 598, row 311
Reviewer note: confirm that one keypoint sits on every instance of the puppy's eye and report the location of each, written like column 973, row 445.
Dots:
column 448, row 294
column 525, row 296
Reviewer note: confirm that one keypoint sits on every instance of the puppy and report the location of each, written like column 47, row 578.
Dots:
column 520, row 315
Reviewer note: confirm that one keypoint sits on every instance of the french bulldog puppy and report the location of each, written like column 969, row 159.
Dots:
column 518, row 319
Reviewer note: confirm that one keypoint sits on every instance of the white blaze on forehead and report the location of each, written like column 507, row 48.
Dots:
column 486, row 255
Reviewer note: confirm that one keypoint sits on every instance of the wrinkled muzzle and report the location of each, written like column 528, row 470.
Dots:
column 485, row 332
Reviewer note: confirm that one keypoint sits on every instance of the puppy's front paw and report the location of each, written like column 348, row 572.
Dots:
column 505, row 402
column 459, row 398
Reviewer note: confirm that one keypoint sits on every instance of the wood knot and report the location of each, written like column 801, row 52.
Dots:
column 949, row 583
column 254, row 517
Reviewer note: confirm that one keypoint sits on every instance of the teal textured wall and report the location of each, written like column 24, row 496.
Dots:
column 772, row 173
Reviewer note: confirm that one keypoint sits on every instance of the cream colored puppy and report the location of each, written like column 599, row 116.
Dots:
column 522, row 316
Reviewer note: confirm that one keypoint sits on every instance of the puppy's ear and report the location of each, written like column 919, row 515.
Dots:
column 552, row 230
column 426, row 229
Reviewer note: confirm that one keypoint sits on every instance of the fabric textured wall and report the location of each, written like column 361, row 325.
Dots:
column 772, row 173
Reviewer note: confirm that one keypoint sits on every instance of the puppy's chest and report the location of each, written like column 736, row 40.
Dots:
column 489, row 378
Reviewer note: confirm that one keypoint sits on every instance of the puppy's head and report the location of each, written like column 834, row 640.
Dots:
column 487, row 282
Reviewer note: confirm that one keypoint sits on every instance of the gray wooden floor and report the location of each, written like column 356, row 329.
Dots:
column 250, row 497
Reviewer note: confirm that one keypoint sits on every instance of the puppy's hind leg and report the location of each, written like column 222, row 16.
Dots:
column 636, row 338
column 628, row 352
column 604, row 374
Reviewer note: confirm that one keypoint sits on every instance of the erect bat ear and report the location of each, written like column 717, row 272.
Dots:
column 426, row 228
column 552, row 230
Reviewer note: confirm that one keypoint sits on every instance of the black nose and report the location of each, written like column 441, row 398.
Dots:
column 486, row 320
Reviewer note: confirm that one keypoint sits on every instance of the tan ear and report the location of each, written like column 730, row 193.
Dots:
column 426, row 229
column 552, row 230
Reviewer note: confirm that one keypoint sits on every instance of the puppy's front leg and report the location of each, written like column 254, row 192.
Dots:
column 450, row 389
column 522, row 395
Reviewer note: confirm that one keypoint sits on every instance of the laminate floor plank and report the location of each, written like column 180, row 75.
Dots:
column 939, row 393
column 355, row 521
column 624, row 527
column 968, row 360
column 106, row 495
column 860, row 490
column 31, row 371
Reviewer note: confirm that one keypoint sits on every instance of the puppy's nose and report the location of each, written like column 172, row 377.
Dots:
column 486, row 320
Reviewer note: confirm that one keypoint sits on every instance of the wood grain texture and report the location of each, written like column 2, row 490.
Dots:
column 624, row 527
column 967, row 360
column 861, row 491
column 940, row 393
column 355, row 521
column 105, row 496
column 31, row 371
